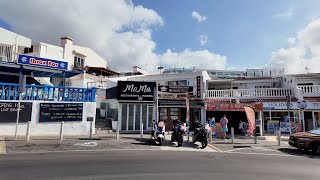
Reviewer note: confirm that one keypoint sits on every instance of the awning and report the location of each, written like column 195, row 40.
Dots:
column 102, row 71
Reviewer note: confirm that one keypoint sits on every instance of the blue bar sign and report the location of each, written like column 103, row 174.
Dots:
column 42, row 62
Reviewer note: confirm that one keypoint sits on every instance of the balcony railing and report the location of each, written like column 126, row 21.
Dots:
column 311, row 91
column 9, row 91
column 248, row 93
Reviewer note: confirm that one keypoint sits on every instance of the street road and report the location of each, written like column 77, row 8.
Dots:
column 153, row 165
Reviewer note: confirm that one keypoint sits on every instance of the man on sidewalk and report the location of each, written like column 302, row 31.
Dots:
column 224, row 126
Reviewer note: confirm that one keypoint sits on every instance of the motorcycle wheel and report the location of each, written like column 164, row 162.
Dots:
column 160, row 140
column 180, row 141
column 204, row 143
column 172, row 139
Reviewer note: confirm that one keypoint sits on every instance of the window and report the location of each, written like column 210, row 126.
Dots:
column 178, row 83
column 78, row 62
column 28, row 50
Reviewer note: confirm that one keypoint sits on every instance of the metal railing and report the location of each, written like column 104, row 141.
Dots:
column 248, row 93
column 9, row 91
column 311, row 90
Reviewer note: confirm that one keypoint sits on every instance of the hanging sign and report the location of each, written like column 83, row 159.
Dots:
column 42, row 62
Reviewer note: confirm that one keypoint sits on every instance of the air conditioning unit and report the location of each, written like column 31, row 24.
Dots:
column 234, row 101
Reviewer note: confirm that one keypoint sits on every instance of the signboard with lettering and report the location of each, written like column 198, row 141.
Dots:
column 57, row 112
column 175, row 89
column 42, row 62
column 293, row 105
column 8, row 112
column 212, row 106
column 198, row 86
column 136, row 90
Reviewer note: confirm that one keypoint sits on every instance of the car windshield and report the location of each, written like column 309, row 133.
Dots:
column 315, row 131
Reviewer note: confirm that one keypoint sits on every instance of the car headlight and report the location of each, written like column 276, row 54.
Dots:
column 303, row 139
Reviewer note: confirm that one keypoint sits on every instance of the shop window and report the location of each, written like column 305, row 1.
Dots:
column 131, row 110
column 124, row 116
column 144, row 116
column 150, row 116
column 317, row 119
column 163, row 114
column 174, row 113
column 137, row 117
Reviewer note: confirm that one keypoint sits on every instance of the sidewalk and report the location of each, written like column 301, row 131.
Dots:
column 126, row 141
column 76, row 143
column 244, row 144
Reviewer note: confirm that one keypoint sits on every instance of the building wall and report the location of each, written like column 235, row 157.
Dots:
column 52, row 128
column 91, row 58
column 11, row 38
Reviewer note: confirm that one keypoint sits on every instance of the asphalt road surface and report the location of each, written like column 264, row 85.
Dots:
column 153, row 165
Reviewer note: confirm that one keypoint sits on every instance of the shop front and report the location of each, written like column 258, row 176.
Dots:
column 136, row 101
column 291, row 119
column 234, row 112
column 179, row 103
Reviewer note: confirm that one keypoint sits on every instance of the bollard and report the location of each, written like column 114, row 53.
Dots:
column 117, row 130
column 188, row 134
column 61, row 131
column 232, row 135
column 255, row 139
column 141, row 131
column 91, row 130
column 279, row 138
column 210, row 134
column 28, row 131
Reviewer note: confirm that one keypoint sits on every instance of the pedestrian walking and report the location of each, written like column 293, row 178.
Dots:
column 224, row 126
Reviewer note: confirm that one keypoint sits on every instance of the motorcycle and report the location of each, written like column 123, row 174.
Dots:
column 158, row 131
column 178, row 132
column 200, row 134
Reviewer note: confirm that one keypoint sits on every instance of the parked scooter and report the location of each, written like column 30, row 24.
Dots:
column 179, row 129
column 200, row 134
column 158, row 131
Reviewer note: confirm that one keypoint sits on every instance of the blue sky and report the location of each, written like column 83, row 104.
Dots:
column 246, row 31
column 236, row 34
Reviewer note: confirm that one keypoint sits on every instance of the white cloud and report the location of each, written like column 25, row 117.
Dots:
column 292, row 41
column 286, row 14
column 188, row 59
column 116, row 29
column 303, row 53
column 198, row 17
column 203, row 39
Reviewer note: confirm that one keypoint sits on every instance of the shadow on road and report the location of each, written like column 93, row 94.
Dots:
column 166, row 143
column 298, row 152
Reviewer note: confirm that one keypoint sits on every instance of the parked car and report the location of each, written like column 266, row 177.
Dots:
column 306, row 141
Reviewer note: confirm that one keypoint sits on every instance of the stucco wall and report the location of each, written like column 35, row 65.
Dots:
column 52, row 128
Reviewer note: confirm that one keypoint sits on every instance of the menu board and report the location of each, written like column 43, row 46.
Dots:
column 8, row 112
column 57, row 112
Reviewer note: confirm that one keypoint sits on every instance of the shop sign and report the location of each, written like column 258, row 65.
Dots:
column 175, row 89
column 136, row 90
column 293, row 105
column 198, row 86
column 57, row 112
column 8, row 111
column 42, row 62
column 231, row 106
